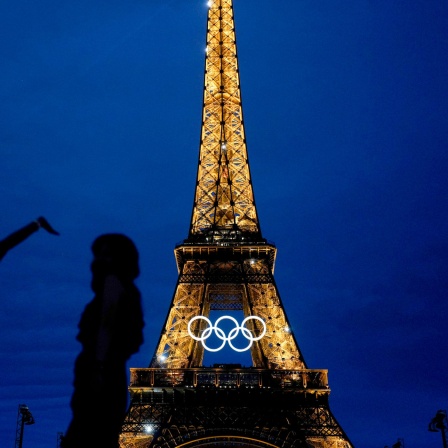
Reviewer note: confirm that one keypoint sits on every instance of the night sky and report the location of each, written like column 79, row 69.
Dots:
column 346, row 116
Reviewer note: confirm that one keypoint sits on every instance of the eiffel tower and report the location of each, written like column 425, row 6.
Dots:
column 226, row 265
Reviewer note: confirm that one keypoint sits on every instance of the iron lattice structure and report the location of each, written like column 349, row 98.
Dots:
column 226, row 264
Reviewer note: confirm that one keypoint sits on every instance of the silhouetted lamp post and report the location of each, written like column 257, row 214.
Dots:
column 24, row 417
column 439, row 423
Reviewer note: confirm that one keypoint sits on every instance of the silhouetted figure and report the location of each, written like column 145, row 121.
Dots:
column 110, row 331
column 23, row 233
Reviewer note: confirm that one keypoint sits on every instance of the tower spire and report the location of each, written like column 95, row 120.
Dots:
column 224, row 200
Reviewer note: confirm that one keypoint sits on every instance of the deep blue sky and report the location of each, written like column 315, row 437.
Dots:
column 346, row 112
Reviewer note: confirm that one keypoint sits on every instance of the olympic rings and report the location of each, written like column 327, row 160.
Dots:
column 232, row 333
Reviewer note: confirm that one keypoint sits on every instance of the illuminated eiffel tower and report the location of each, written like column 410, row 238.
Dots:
column 226, row 265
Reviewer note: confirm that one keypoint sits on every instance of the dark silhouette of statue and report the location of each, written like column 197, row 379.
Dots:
column 23, row 233
column 110, row 331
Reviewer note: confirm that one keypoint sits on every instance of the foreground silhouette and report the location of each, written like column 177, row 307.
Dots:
column 23, row 233
column 110, row 331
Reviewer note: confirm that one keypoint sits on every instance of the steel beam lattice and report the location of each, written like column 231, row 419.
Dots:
column 226, row 265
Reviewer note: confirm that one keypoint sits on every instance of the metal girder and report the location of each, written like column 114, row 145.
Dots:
column 282, row 413
column 201, row 285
